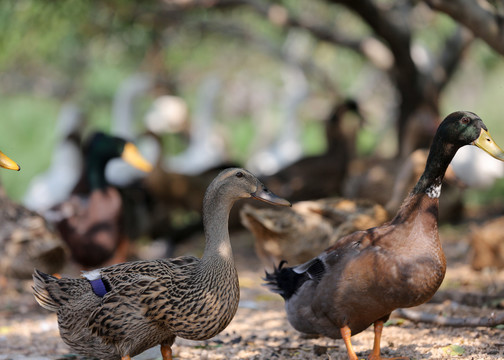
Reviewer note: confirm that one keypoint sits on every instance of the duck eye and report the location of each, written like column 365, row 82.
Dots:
column 465, row 120
column 239, row 174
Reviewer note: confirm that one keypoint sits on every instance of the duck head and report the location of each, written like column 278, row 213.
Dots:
column 241, row 184
column 102, row 148
column 8, row 163
column 106, row 147
column 466, row 128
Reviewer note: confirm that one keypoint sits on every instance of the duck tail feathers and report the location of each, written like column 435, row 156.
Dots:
column 42, row 295
column 283, row 280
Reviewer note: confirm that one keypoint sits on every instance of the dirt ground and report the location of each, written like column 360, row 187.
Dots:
column 260, row 329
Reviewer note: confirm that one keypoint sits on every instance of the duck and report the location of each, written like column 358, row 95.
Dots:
column 120, row 311
column 319, row 176
column 26, row 239
column 56, row 183
column 90, row 220
column 281, row 233
column 366, row 275
column 475, row 170
column 487, row 247
column 206, row 148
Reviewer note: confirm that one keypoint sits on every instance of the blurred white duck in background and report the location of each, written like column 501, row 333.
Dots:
column 475, row 169
column 167, row 114
column 118, row 172
column 55, row 184
column 286, row 148
column 206, row 148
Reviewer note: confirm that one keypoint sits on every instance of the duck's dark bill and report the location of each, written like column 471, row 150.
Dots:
column 8, row 163
column 265, row 195
column 485, row 142
column 132, row 156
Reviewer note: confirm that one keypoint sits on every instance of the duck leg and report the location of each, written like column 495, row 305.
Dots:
column 166, row 352
column 346, row 333
column 375, row 354
column 125, row 357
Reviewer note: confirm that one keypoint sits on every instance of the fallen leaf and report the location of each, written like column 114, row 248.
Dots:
column 454, row 350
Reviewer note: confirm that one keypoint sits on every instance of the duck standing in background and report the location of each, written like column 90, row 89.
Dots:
column 89, row 221
column 26, row 240
column 320, row 176
column 301, row 232
column 125, row 309
column 56, row 183
column 366, row 275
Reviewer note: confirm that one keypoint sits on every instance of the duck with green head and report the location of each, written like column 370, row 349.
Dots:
column 361, row 279
column 90, row 220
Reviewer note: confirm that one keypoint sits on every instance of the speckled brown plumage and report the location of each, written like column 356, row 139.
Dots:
column 299, row 233
column 361, row 279
column 151, row 302
column 27, row 240
column 25, row 237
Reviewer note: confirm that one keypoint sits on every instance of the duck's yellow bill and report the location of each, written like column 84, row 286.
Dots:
column 8, row 163
column 485, row 142
column 132, row 156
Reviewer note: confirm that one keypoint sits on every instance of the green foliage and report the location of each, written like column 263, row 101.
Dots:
column 27, row 137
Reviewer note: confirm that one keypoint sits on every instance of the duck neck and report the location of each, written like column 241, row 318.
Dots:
column 215, row 221
column 440, row 156
column 95, row 172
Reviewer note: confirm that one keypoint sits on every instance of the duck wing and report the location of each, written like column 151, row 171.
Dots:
column 142, row 298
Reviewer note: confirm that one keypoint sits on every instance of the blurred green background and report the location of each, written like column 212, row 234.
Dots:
column 55, row 51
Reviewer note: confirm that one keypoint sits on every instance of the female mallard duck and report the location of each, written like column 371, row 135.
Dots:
column 25, row 238
column 90, row 221
column 122, row 310
column 366, row 275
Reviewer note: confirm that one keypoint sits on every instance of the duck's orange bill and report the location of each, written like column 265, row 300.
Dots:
column 485, row 142
column 132, row 156
column 8, row 163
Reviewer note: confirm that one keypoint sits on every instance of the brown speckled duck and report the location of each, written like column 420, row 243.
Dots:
column 122, row 310
column 25, row 238
column 487, row 247
column 299, row 233
column 366, row 275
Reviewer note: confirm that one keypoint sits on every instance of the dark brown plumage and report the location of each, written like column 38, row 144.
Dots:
column 366, row 275
column 151, row 302
column 320, row 176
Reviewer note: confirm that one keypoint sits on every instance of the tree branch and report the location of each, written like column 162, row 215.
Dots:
column 449, row 60
column 476, row 16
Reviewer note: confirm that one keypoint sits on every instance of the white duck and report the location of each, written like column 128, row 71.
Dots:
column 55, row 184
